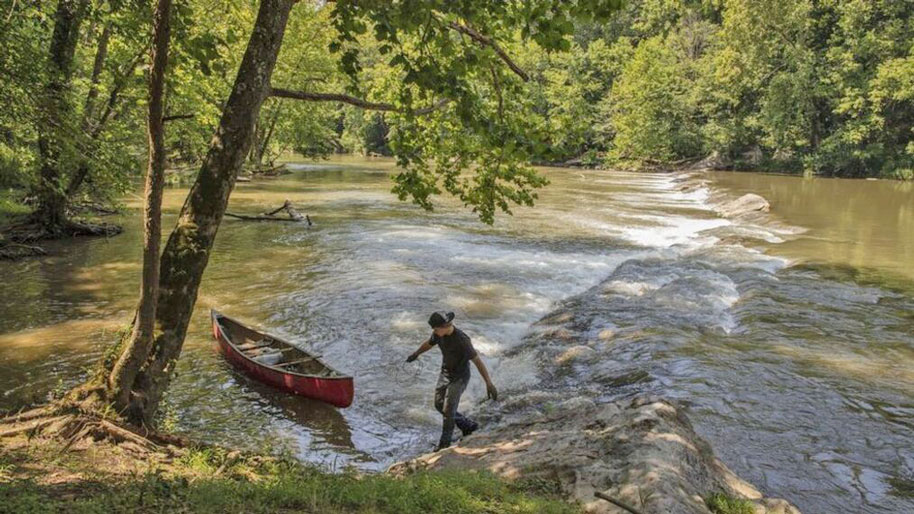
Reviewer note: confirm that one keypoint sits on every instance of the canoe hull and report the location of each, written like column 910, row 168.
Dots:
column 336, row 391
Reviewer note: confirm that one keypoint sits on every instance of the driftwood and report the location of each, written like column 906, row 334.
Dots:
column 294, row 215
column 617, row 503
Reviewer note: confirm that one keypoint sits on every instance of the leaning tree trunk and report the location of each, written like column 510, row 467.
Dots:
column 136, row 351
column 56, row 116
column 188, row 248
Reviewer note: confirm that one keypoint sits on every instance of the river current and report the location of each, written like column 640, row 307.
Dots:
column 789, row 337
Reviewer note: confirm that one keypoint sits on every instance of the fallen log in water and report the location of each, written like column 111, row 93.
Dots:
column 294, row 215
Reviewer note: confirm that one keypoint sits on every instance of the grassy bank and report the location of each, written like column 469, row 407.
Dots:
column 104, row 478
column 11, row 208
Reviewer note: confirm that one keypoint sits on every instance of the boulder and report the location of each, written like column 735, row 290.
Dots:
column 643, row 452
column 714, row 161
column 746, row 204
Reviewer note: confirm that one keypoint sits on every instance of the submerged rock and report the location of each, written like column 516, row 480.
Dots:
column 643, row 452
column 748, row 203
column 577, row 352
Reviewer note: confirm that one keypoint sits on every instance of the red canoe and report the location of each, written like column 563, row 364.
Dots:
column 274, row 361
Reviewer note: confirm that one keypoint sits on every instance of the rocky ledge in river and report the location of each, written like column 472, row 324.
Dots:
column 642, row 452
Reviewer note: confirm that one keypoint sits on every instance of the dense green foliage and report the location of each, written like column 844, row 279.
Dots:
column 816, row 86
column 449, row 99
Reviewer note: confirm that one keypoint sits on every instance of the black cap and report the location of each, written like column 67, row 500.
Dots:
column 440, row 318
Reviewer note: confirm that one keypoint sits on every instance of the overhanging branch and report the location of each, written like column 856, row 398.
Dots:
column 351, row 100
column 487, row 41
column 331, row 97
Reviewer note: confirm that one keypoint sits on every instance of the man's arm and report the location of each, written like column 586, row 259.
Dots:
column 424, row 347
column 490, row 387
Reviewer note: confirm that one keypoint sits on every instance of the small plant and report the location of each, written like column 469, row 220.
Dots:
column 203, row 460
column 168, row 417
column 541, row 486
column 723, row 504
column 901, row 487
column 6, row 471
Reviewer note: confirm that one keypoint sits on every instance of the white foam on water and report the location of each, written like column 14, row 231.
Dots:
column 406, row 322
column 675, row 230
column 629, row 288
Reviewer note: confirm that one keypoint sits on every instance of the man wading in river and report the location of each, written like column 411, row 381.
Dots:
column 456, row 353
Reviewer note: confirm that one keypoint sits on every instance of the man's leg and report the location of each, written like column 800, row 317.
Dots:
column 465, row 424
column 449, row 410
column 440, row 392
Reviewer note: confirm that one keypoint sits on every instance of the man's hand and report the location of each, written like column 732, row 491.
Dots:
column 491, row 392
column 411, row 357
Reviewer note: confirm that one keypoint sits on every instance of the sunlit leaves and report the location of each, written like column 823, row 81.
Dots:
column 479, row 147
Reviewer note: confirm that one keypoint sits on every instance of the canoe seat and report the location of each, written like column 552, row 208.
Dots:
column 297, row 361
column 253, row 345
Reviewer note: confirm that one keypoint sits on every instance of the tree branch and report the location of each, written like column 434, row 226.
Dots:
column 351, row 100
column 178, row 117
column 119, row 83
column 331, row 97
column 487, row 41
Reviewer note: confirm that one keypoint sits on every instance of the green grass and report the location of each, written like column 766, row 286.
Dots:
column 191, row 484
column 10, row 207
column 723, row 504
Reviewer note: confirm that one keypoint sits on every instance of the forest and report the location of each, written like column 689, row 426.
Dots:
column 820, row 87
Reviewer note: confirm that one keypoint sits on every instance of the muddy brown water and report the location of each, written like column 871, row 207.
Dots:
column 790, row 338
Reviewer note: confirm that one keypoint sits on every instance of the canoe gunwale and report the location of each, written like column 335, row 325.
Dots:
column 216, row 315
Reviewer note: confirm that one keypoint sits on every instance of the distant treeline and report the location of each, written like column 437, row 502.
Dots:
column 824, row 87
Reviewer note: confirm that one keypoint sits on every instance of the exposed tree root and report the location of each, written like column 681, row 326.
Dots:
column 14, row 251
column 72, row 422
column 77, row 228
column 31, row 428
column 29, row 414
column 16, row 241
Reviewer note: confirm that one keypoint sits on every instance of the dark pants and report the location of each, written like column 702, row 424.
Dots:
column 447, row 397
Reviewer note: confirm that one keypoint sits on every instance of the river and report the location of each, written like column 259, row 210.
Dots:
column 790, row 336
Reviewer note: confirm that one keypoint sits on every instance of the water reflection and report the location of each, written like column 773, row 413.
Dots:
column 861, row 224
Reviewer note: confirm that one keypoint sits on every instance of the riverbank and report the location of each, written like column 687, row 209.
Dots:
column 716, row 163
column 641, row 453
column 40, row 475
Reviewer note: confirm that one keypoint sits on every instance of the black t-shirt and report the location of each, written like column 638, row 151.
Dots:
column 456, row 353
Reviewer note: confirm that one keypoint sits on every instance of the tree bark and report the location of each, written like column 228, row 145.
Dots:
column 135, row 353
column 101, row 54
column 188, row 249
column 265, row 143
column 94, row 128
column 88, row 125
column 57, row 116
